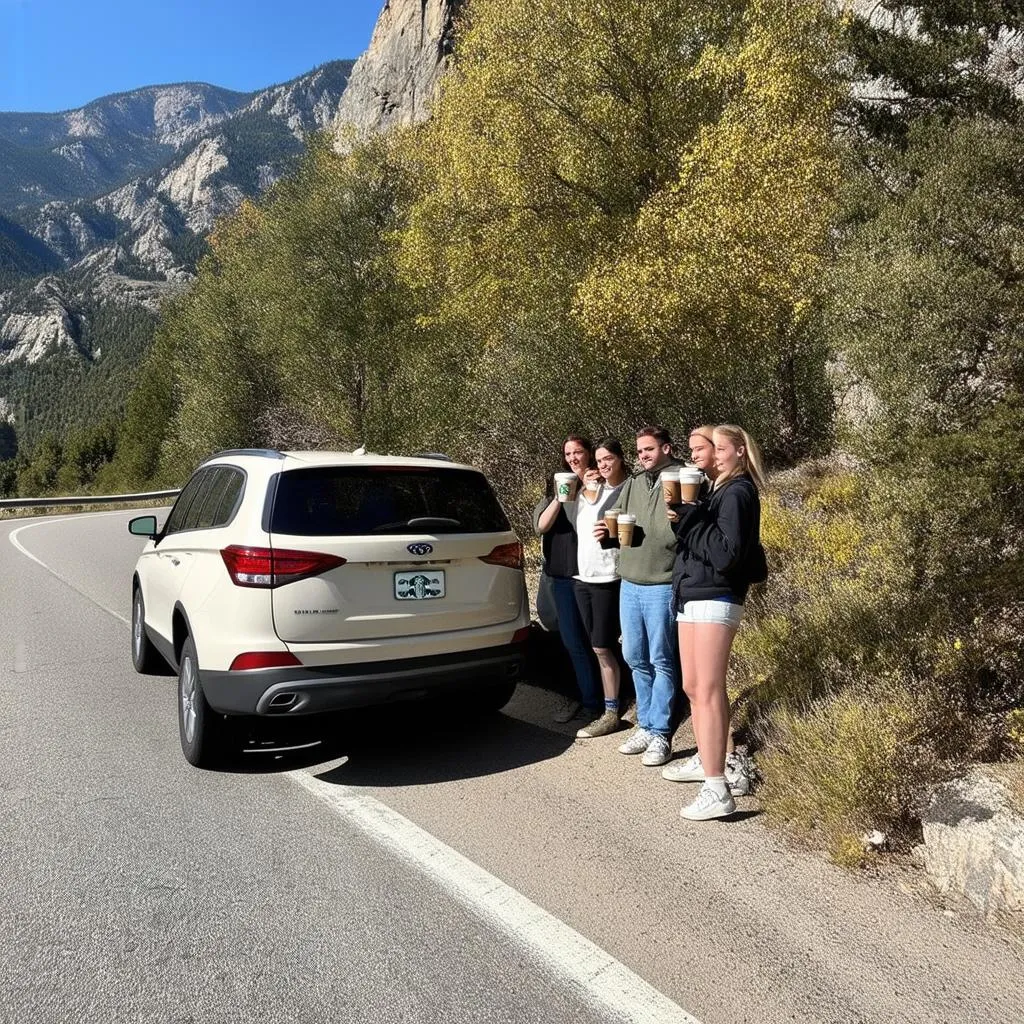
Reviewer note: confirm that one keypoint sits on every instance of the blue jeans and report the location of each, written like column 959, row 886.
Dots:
column 649, row 649
column 576, row 642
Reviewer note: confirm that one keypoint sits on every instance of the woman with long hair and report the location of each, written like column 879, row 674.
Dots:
column 597, row 583
column 555, row 522
column 719, row 555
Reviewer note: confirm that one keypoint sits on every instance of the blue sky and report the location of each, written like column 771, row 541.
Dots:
column 60, row 54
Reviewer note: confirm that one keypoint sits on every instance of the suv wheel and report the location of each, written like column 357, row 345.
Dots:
column 145, row 657
column 201, row 729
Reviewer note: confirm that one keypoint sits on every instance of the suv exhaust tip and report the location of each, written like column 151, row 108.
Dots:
column 282, row 701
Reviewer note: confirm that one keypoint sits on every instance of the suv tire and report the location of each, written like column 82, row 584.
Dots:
column 146, row 659
column 201, row 729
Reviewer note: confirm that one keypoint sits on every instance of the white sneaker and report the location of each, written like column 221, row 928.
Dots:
column 658, row 751
column 636, row 742
column 709, row 805
column 684, row 771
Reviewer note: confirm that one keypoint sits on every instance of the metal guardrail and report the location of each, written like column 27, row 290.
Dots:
column 84, row 499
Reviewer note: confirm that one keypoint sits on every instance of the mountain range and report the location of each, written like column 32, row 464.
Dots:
column 104, row 210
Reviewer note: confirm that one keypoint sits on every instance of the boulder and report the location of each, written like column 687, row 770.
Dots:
column 974, row 844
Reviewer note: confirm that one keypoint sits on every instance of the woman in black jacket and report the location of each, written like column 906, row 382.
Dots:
column 719, row 555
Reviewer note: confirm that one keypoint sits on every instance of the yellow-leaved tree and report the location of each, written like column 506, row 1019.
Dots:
column 720, row 279
column 556, row 126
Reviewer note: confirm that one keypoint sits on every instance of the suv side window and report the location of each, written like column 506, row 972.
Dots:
column 185, row 501
column 221, row 498
column 191, row 520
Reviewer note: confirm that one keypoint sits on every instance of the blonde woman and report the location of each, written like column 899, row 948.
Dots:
column 719, row 555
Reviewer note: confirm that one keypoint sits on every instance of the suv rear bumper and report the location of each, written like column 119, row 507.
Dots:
column 325, row 688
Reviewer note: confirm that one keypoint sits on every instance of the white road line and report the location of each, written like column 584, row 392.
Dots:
column 585, row 967
column 13, row 538
column 582, row 965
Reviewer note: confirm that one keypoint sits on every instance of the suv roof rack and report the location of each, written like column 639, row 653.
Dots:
column 434, row 455
column 266, row 453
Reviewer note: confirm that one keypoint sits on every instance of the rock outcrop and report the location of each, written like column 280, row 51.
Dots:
column 395, row 81
column 974, row 844
column 48, row 329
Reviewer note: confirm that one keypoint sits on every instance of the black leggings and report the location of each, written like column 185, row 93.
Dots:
column 599, row 610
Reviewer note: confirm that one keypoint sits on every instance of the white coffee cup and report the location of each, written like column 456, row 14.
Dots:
column 670, row 484
column 627, row 522
column 565, row 486
column 690, row 480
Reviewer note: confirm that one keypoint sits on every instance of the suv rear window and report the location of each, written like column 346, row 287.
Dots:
column 356, row 500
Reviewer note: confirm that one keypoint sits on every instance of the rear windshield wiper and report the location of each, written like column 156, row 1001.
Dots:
column 418, row 523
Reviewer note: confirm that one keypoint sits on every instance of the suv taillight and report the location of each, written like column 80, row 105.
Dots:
column 273, row 567
column 508, row 555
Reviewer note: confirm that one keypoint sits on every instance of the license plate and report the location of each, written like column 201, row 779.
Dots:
column 419, row 584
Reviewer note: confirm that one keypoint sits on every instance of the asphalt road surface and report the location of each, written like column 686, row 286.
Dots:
column 415, row 867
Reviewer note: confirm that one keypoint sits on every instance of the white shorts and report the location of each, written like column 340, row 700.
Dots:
column 725, row 613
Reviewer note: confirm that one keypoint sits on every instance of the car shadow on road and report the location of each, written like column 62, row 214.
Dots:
column 430, row 748
column 411, row 744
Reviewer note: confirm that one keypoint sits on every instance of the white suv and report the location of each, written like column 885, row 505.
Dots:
column 293, row 583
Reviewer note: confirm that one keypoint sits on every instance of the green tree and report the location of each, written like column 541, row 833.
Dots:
column 721, row 277
column 39, row 477
column 8, row 441
column 557, row 124
column 296, row 331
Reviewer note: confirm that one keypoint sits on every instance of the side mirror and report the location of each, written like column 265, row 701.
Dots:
column 143, row 526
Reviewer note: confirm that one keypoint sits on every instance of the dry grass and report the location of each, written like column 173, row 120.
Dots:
column 852, row 763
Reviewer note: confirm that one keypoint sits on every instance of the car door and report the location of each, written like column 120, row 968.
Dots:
column 171, row 558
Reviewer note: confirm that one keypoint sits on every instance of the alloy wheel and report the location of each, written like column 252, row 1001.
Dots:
column 188, row 698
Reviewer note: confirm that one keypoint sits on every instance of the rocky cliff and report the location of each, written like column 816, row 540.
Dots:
column 395, row 80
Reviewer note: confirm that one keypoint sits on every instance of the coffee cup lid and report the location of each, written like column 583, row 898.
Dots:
column 627, row 517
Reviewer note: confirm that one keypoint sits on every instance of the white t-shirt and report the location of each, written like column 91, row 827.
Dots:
column 596, row 564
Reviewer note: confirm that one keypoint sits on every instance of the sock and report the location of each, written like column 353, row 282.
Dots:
column 611, row 704
column 716, row 783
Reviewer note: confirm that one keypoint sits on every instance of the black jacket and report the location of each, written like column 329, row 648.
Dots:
column 719, row 551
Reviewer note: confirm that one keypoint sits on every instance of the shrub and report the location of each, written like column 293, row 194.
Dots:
column 882, row 653
column 856, row 762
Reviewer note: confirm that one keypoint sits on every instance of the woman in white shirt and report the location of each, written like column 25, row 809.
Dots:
column 597, row 583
